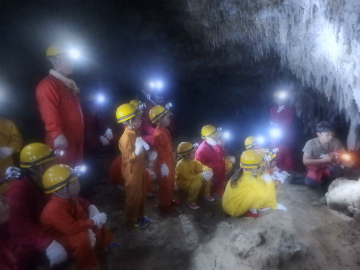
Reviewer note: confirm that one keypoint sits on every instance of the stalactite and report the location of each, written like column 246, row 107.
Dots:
column 317, row 40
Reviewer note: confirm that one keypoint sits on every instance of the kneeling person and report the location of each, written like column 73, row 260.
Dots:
column 65, row 219
column 192, row 176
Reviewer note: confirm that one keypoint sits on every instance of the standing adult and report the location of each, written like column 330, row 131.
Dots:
column 60, row 108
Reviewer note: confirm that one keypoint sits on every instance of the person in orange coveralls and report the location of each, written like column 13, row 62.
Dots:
column 132, row 148
column 164, row 165
column 116, row 178
column 65, row 219
column 26, row 200
column 60, row 108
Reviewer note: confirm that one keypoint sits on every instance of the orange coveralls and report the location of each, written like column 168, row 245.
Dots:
column 61, row 113
column 163, row 146
column 66, row 221
column 132, row 169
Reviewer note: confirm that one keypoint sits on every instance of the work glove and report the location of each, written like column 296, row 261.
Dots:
column 152, row 156
column 92, row 238
column 281, row 108
column 144, row 144
column 164, row 170
column 99, row 219
column 275, row 150
column 281, row 207
column 92, row 211
column 232, row 159
column 211, row 141
column 285, row 174
column 279, row 177
column 56, row 253
column 6, row 152
column 267, row 178
column 60, row 142
column 276, row 168
column 207, row 175
column 104, row 141
column 108, row 134
column 138, row 146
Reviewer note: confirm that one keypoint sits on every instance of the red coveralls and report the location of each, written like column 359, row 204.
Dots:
column 26, row 202
column 163, row 146
column 61, row 113
column 7, row 256
column 284, row 120
column 213, row 157
column 66, row 221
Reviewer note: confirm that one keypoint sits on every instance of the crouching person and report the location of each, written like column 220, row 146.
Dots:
column 191, row 176
column 250, row 190
column 65, row 219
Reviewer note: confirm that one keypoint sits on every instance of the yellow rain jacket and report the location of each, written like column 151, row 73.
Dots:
column 9, row 137
column 250, row 192
column 189, row 178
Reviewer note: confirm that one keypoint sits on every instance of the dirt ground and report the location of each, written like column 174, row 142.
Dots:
column 307, row 236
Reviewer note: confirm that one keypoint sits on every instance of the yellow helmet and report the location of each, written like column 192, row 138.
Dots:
column 228, row 165
column 250, row 142
column 209, row 131
column 36, row 153
column 135, row 102
column 54, row 50
column 57, row 177
column 126, row 112
column 251, row 159
column 186, row 147
column 158, row 111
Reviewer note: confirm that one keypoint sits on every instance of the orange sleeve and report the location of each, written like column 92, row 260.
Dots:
column 160, row 145
column 60, row 219
column 127, row 149
column 48, row 102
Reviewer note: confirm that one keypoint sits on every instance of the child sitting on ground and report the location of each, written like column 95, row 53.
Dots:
column 73, row 222
column 191, row 176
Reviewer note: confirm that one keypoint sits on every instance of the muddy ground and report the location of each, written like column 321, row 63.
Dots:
column 307, row 236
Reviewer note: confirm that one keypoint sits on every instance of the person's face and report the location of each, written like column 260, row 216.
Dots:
column 4, row 209
column 136, row 121
column 65, row 64
column 165, row 121
column 191, row 155
column 325, row 137
column 74, row 188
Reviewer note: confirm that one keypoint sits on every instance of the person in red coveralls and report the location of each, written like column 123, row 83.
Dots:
column 211, row 153
column 71, row 220
column 26, row 201
column 60, row 108
column 281, row 117
column 7, row 257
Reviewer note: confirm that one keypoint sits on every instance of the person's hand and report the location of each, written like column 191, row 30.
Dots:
column 56, row 253
column 144, row 144
column 92, row 238
column 232, row 159
column 281, row 108
column 326, row 158
column 104, row 141
column 138, row 146
column 152, row 156
column 60, row 142
column 99, row 219
column 164, row 170
column 275, row 150
column 207, row 175
column 108, row 134
column 211, row 141
column 6, row 152
column 267, row 178
column 92, row 210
